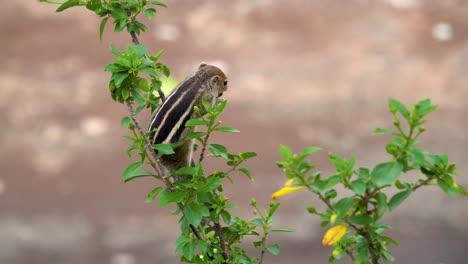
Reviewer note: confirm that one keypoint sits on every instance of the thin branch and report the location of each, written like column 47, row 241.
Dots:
column 219, row 232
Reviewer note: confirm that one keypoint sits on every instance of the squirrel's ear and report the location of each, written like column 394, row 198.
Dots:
column 214, row 80
column 202, row 65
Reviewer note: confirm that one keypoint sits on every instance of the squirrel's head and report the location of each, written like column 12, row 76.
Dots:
column 215, row 80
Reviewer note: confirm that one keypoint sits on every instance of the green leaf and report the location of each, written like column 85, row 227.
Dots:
column 153, row 194
column 197, row 135
column 388, row 256
column 149, row 12
column 343, row 206
column 166, row 197
column 384, row 131
column 150, row 71
column 157, row 55
column 119, row 78
column 381, row 205
column 67, row 4
column 388, row 240
column 141, row 50
column 424, row 107
column 181, row 242
column 164, row 149
column 246, row 172
column 309, row 150
column 361, row 219
column 398, row 198
column 330, row 194
column 362, row 173
column 211, row 183
column 114, row 50
column 247, row 155
column 227, row 129
column 285, row 152
column 386, row 173
column 158, row 3
column 125, row 121
column 282, row 230
column 125, row 93
column 274, row 249
column 142, row 83
column 358, row 186
column 186, row 170
column 194, row 213
column 134, row 171
column 218, row 150
column 102, row 26
column 398, row 106
column 447, row 185
column 195, row 122
column 226, row 217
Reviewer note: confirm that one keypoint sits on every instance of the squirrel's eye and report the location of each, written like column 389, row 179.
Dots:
column 225, row 83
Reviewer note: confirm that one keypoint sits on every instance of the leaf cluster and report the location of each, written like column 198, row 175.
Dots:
column 362, row 211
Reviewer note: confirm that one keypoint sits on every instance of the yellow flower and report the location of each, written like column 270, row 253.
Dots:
column 285, row 190
column 334, row 235
column 333, row 218
column 455, row 185
column 336, row 252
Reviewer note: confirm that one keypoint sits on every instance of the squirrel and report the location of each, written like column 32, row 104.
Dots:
column 207, row 84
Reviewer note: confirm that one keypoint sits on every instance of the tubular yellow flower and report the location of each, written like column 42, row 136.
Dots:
column 336, row 252
column 285, row 190
column 334, row 235
column 333, row 218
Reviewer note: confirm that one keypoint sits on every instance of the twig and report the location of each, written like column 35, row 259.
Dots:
column 222, row 240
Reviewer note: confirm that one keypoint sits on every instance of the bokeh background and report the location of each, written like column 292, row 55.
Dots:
column 301, row 73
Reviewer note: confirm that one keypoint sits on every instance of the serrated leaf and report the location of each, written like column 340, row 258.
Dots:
column 227, row 129
column 398, row 198
column 67, row 4
column 153, row 194
column 274, row 249
column 386, row 173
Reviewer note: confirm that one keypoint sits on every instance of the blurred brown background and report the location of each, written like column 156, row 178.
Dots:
column 301, row 73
